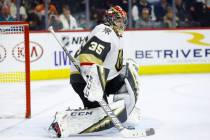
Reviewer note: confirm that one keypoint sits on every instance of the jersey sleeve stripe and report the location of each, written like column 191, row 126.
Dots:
column 89, row 58
column 86, row 63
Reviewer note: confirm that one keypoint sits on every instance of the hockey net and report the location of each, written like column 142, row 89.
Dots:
column 14, row 70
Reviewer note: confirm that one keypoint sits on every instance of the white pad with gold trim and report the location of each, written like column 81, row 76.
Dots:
column 130, row 91
column 82, row 121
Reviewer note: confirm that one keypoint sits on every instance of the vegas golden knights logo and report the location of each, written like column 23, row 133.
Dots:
column 119, row 63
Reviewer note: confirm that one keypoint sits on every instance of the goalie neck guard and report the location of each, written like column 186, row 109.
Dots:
column 116, row 18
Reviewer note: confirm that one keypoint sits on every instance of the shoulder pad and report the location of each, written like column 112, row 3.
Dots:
column 103, row 32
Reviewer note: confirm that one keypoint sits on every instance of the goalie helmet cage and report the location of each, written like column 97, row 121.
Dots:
column 14, row 48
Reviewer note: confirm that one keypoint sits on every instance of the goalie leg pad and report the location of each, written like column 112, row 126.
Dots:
column 73, row 122
column 130, row 91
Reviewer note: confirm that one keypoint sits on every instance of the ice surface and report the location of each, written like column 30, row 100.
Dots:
column 177, row 106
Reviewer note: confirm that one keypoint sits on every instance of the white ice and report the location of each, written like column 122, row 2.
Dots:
column 177, row 106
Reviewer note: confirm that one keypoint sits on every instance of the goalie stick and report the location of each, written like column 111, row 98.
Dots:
column 124, row 131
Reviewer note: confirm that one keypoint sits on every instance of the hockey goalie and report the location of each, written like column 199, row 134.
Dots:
column 102, row 74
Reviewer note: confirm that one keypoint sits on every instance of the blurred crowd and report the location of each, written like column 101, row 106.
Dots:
column 72, row 14
column 162, row 13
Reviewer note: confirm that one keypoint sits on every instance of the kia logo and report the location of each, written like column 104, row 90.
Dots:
column 36, row 52
column 3, row 53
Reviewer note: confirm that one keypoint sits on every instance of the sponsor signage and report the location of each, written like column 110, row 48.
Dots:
column 169, row 47
column 159, row 47
column 61, row 59
column 3, row 53
column 36, row 52
column 69, row 41
column 172, row 54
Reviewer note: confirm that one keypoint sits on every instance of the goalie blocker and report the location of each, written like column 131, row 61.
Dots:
column 93, row 119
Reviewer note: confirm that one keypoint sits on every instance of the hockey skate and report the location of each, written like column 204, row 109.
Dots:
column 55, row 130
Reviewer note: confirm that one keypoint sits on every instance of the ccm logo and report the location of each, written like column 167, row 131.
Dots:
column 85, row 113
column 36, row 52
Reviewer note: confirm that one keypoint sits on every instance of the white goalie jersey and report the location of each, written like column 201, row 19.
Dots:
column 103, row 47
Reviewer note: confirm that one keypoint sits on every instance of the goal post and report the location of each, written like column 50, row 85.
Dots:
column 15, row 65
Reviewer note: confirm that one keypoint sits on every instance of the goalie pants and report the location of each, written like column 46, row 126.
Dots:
column 112, row 87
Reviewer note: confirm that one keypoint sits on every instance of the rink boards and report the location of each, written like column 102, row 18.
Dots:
column 156, row 51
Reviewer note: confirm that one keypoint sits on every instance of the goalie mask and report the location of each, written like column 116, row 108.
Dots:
column 116, row 18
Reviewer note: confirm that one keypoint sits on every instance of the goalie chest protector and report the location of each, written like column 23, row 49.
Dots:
column 103, row 47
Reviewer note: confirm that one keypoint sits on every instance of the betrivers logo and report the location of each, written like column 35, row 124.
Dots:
column 199, row 52
column 36, row 51
column 197, row 38
column 3, row 53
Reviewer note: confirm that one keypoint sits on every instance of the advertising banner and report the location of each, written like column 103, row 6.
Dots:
column 156, row 51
